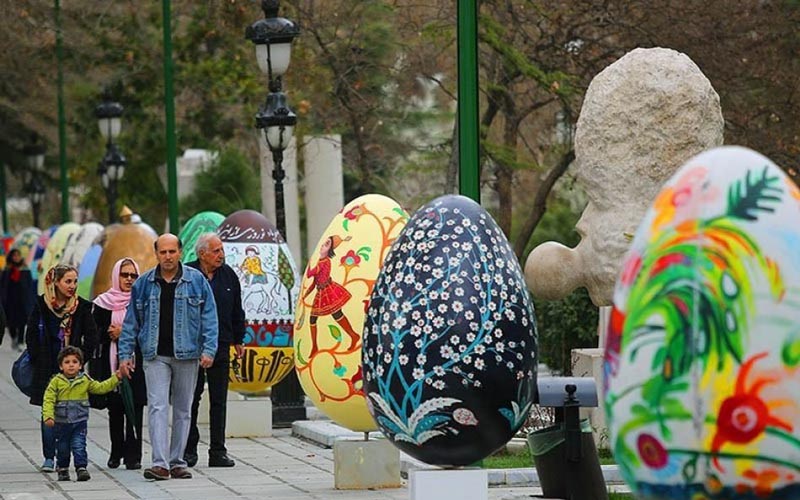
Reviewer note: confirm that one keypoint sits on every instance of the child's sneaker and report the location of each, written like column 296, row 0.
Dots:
column 63, row 474
column 48, row 465
column 83, row 474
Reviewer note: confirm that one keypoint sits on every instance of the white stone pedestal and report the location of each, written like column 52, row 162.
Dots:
column 245, row 416
column 362, row 465
column 438, row 484
column 248, row 416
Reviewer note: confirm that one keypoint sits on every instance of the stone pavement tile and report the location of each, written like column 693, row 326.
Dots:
column 33, row 496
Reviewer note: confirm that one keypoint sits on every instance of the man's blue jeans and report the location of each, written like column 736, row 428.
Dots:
column 71, row 438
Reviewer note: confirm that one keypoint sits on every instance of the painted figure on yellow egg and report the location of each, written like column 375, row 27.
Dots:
column 331, row 296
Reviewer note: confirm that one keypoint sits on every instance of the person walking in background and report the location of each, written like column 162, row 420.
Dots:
column 109, row 314
column 60, row 318
column 17, row 297
column 66, row 410
column 228, row 297
column 173, row 318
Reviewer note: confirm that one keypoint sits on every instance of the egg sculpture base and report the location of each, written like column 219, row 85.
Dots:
column 702, row 358
column 248, row 416
column 468, row 483
column 365, row 465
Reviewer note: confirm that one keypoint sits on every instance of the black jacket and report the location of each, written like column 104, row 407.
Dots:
column 100, row 367
column 84, row 336
column 228, row 295
column 17, row 297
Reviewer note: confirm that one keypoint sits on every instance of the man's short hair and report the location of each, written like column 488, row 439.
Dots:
column 203, row 240
column 180, row 244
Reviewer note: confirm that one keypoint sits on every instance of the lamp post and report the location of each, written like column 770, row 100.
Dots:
column 35, row 189
column 273, row 38
column 112, row 167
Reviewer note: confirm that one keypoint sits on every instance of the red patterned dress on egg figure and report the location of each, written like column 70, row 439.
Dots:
column 331, row 296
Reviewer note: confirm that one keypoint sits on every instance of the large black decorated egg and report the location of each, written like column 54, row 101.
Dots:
column 450, row 337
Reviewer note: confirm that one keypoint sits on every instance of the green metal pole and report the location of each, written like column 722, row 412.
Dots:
column 169, row 107
column 62, row 125
column 468, row 138
column 3, row 197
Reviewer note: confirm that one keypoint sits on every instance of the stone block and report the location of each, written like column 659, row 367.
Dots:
column 589, row 363
column 436, row 484
column 361, row 465
column 248, row 416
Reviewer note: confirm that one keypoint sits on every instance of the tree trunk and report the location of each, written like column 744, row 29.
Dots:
column 452, row 182
column 540, row 202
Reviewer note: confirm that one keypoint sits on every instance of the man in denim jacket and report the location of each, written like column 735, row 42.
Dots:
column 172, row 316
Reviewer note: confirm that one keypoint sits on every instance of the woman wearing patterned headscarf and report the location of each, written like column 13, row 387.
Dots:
column 109, row 314
column 59, row 318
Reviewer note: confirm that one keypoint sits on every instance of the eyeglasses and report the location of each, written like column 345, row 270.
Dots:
column 132, row 276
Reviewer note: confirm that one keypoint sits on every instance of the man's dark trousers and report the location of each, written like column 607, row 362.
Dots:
column 217, row 377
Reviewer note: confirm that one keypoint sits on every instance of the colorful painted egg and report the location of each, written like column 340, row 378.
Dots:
column 87, row 270
column 26, row 240
column 123, row 240
column 264, row 264
column 34, row 259
column 203, row 222
column 703, row 353
column 74, row 252
column 335, row 292
column 450, row 337
column 56, row 245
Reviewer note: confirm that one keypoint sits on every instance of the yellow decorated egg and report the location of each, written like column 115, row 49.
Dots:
column 256, row 251
column 335, row 292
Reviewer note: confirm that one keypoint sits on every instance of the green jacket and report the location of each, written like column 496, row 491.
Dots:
column 67, row 400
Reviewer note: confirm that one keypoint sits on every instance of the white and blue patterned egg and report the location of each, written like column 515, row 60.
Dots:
column 450, row 337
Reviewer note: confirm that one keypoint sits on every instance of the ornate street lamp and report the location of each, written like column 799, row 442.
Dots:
column 35, row 188
column 36, row 191
column 277, row 121
column 112, row 167
column 273, row 38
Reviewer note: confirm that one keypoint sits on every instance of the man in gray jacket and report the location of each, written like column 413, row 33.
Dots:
column 172, row 316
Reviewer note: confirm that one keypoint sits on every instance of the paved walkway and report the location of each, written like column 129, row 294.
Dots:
column 277, row 468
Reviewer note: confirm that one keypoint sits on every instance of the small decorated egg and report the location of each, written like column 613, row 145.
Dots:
column 74, row 252
column 450, row 337
column 202, row 222
column 256, row 251
column 25, row 241
column 87, row 269
column 702, row 359
column 56, row 245
column 334, row 295
column 34, row 259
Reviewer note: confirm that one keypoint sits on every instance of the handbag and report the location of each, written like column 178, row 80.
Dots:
column 23, row 371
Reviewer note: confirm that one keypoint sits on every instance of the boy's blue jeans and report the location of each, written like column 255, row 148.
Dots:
column 48, row 441
column 71, row 437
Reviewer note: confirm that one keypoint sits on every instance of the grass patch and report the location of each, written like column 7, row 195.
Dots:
column 505, row 460
column 619, row 496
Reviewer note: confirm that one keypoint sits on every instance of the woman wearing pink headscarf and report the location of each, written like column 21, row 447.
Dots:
column 109, row 314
